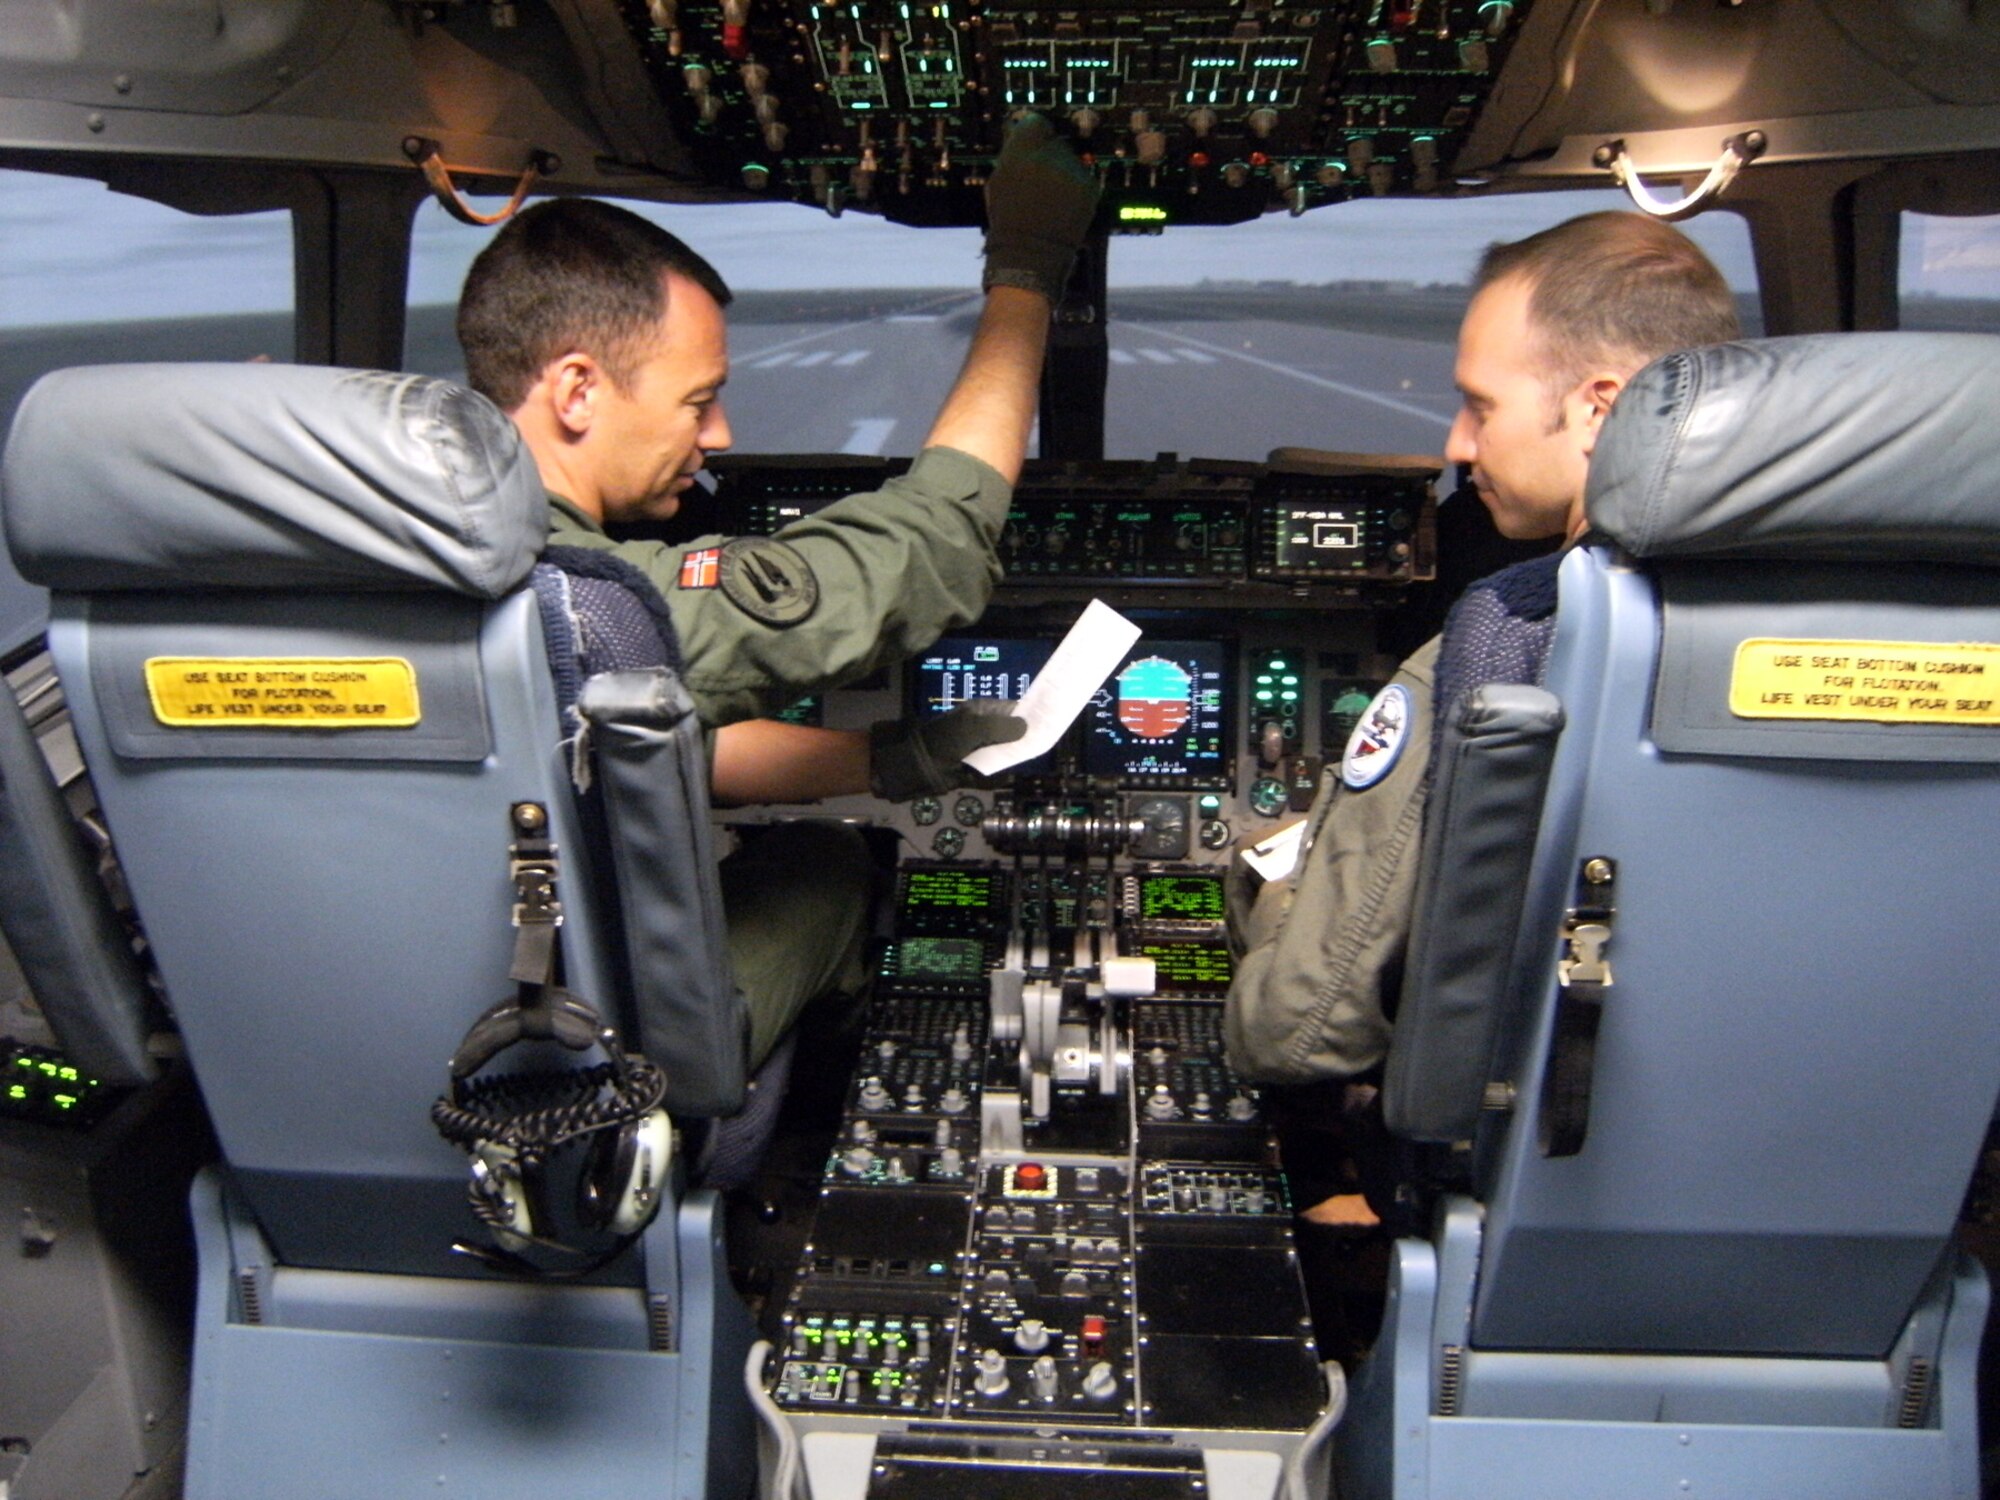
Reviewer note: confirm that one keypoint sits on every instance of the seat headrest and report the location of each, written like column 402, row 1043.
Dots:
column 267, row 476
column 1835, row 447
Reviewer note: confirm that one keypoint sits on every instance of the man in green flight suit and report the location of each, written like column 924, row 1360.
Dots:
column 603, row 337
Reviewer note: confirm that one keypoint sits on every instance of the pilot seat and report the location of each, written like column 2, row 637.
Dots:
column 1698, row 1025
column 376, row 778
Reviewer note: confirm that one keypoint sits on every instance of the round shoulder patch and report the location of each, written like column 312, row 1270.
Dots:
column 1377, row 742
column 769, row 581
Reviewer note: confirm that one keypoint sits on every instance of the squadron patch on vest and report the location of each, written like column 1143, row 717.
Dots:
column 700, row 569
column 768, row 581
column 1377, row 741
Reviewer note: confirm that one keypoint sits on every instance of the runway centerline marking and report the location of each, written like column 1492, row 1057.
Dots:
column 870, row 436
column 945, row 302
column 853, row 357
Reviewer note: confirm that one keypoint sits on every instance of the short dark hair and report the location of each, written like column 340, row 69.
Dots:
column 569, row 273
column 1613, row 290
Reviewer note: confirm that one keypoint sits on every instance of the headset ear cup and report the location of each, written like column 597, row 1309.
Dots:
column 624, row 1178
column 502, row 1198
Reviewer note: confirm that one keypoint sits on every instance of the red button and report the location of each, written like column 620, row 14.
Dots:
column 1092, row 1336
column 1031, row 1177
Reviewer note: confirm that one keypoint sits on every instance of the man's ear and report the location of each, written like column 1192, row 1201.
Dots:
column 1596, row 396
column 574, row 382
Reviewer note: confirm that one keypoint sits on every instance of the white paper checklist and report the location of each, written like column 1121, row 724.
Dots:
column 1091, row 652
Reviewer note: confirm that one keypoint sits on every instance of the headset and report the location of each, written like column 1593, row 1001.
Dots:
column 521, row 1128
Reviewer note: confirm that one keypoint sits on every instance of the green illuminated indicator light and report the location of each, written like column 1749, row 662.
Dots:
column 17, row 1091
column 1263, row 679
column 1141, row 213
column 937, row 1268
column 1289, row 680
column 1288, row 696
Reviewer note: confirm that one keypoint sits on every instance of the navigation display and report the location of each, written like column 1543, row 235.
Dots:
column 1161, row 714
column 961, row 667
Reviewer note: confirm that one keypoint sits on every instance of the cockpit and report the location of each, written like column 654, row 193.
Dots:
column 1625, row 1199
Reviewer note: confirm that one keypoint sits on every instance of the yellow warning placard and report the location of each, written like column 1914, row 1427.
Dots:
column 283, row 692
column 1888, row 682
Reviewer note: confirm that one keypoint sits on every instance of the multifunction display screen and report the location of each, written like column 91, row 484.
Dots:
column 1180, row 898
column 1163, row 713
column 1321, row 538
column 1189, row 968
column 960, row 668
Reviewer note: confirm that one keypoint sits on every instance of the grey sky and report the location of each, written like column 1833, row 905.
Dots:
column 76, row 253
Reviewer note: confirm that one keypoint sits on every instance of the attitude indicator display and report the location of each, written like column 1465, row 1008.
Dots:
column 1162, row 715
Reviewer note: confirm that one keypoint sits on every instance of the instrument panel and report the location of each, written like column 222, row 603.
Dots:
column 1255, row 586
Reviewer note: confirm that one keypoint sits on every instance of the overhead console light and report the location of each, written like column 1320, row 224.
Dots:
column 1738, row 151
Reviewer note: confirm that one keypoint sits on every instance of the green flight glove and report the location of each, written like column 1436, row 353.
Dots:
column 1039, row 203
column 919, row 757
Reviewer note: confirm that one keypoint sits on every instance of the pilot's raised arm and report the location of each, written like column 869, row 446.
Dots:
column 604, row 338
column 1557, row 324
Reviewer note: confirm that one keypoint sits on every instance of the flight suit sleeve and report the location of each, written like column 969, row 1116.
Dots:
column 1307, row 999
column 875, row 577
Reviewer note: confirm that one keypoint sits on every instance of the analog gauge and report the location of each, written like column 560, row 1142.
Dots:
column 1268, row 796
column 1164, row 828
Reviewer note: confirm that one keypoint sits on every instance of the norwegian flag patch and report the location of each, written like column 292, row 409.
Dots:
column 701, row 569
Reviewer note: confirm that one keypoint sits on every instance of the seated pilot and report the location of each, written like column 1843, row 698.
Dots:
column 1558, row 323
column 602, row 336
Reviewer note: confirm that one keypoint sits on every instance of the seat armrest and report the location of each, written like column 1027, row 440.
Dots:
column 71, row 946
column 651, row 761
column 1479, row 839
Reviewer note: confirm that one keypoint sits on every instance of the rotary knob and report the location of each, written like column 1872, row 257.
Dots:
column 990, row 1376
column 1042, row 1378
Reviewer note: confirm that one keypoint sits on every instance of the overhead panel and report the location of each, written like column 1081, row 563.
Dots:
column 1194, row 111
